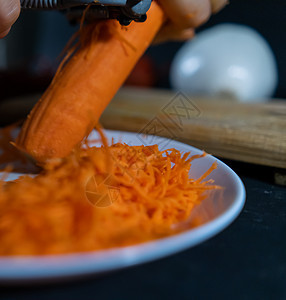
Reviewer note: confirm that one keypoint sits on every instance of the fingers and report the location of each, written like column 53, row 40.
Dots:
column 4, row 33
column 187, row 13
column 171, row 33
column 9, row 12
column 217, row 5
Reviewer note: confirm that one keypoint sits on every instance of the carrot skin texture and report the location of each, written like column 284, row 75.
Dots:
column 83, row 88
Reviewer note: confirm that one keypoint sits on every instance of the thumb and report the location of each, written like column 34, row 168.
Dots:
column 187, row 13
column 9, row 12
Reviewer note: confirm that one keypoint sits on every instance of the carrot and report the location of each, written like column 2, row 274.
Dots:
column 100, row 198
column 85, row 83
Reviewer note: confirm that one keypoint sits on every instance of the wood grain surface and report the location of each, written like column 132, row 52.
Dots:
column 254, row 133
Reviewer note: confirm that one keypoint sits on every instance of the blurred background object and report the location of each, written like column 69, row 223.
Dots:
column 226, row 60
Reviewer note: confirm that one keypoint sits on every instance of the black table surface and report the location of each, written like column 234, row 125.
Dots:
column 245, row 261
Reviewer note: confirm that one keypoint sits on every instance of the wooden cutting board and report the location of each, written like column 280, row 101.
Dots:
column 253, row 133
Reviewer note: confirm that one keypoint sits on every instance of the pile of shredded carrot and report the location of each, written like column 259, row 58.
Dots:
column 98, row 198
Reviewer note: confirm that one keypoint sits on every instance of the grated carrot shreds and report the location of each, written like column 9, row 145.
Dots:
column 98, row 198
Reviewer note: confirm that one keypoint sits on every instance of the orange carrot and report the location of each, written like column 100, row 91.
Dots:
column 85, row 84
column 99, row 198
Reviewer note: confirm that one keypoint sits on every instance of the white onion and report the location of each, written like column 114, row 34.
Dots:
column 226, row 59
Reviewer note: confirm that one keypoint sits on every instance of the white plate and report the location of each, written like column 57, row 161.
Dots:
column 219, row 212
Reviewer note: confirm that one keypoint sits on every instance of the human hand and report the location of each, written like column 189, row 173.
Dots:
column 9, row 13
column 185, row 15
